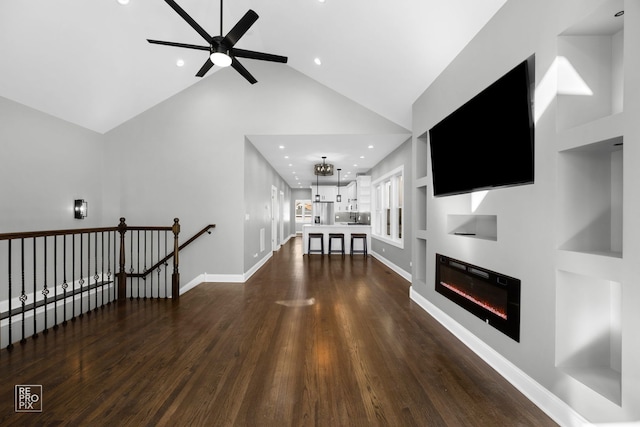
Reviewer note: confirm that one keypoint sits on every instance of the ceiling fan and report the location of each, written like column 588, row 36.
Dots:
column 221, row 49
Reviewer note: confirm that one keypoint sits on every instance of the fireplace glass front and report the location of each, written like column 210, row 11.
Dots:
column 491, row 296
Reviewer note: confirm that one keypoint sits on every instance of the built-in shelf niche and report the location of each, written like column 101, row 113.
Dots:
column 591, row 197
column 590, row 67
column 589, row 332
column 475, row 226
column 422, row 148
column 421, row 261
column 421, row 200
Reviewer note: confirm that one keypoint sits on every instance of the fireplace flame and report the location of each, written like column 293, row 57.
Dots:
column 497, row 311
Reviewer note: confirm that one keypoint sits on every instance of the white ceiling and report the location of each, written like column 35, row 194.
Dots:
column 88, row 62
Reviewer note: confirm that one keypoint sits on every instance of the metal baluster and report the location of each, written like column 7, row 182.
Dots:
column 23, row 296
column 89, row 274
column 65, row 285
column 115, row 261
column 109, row 263
column 55, row 282
column 10, row 329
column 81, row 281
column 151, row 262
column 45, row 290
column 138, row 267
column 144, row 278
column 95, row 274
column 102, row 270
column 131, row 258
column 35, row 300
column 73, row 277
column 166, row 264
column 160, row 266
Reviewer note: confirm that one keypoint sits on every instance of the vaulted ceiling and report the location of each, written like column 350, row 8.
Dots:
column 88, row 62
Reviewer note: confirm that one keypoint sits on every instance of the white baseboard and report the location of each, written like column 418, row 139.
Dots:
column 225, row 278
column 406, row 275
column 553, row 406
column 257, row 266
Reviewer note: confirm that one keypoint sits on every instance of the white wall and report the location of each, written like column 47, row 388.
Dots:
column 527, row 216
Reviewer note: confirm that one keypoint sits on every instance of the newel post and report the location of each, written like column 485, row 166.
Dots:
column 122, row 275
column 175, row 277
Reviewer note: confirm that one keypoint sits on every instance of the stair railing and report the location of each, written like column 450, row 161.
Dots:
column 51, row 277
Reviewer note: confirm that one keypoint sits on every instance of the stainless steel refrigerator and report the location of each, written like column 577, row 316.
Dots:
column 323, row 213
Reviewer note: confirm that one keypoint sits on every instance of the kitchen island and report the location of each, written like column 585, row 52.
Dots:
column 335, row 228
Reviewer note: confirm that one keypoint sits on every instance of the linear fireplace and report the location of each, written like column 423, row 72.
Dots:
column 493, row 297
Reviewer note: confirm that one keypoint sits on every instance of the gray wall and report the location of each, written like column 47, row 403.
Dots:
column 401, row 156
column 46, row 164
column 184, row 157
column 259, row 179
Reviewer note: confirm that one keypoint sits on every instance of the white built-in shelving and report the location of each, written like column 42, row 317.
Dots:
column 420, row 262
column 473, row 226
column 590, row 141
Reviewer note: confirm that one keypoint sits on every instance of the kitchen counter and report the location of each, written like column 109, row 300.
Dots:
column 335, row 228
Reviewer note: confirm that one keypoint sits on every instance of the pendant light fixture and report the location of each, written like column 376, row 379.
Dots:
column 317, row 190
column 324, row 169
column 339, row 197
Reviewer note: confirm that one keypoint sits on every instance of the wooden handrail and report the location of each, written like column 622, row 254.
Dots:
column 181, row 247
column 29, row 234
column 122, row 228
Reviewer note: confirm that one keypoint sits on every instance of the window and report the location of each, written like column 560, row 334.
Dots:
column 388, row 202
column 303, row 211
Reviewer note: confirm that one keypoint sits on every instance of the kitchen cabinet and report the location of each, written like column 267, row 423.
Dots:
column 327, row 192
column 363, row 193
column 359, row 194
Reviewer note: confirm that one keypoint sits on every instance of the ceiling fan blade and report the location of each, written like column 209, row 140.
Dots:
column 189, row 20
column 188, row 46
column 205, row 67
column 250, row 54
column 239, row 68
column 240, row 28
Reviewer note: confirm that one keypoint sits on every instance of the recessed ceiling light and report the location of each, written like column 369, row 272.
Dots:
column 286, row 157
column 123, row 2
column 371, row 146
column 355, row 166
column 317, row 61
column 180, row 62
column 290, row 164
column 362, row 157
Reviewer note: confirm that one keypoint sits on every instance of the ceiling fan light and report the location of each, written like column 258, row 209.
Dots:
column 221, row 59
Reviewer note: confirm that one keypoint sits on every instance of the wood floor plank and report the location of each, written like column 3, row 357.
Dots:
column 307, row 341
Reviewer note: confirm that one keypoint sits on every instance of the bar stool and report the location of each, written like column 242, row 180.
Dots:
column 339, row 236
column 362, row 236
column 316, row 236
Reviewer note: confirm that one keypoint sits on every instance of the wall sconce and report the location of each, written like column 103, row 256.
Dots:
column 79, row 209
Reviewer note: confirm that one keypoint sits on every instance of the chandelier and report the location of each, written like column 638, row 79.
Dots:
column 323, row 169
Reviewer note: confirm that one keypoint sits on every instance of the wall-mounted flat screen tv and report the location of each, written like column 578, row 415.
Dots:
column 489, row 141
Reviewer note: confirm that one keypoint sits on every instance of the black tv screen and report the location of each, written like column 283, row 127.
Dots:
column 489, row 141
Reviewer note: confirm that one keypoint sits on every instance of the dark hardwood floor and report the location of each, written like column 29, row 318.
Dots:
column 307, row 341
